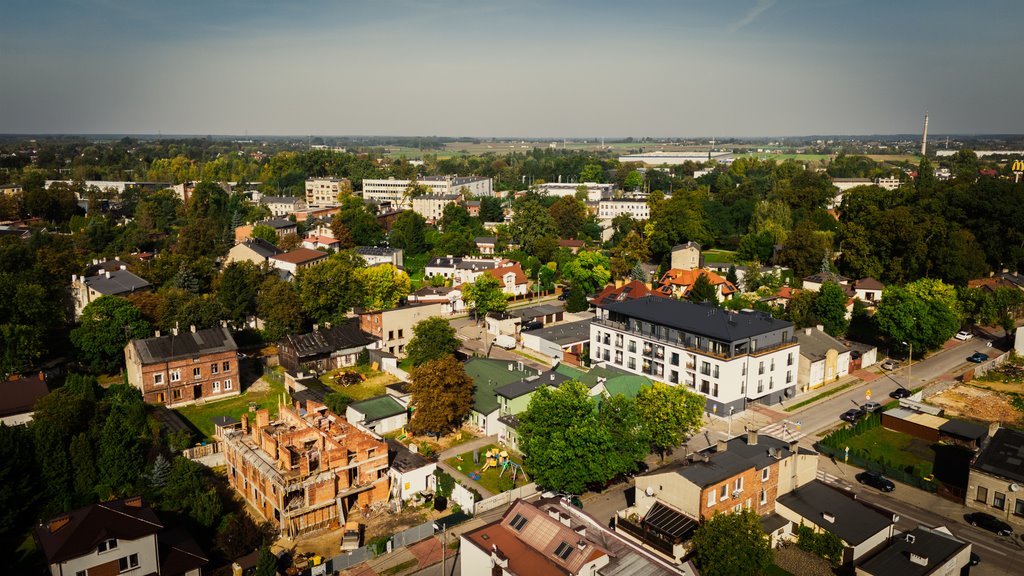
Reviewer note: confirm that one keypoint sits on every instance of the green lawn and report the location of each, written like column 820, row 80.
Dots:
column 489, row 479
column 896, row 449
column 775, row 570
column 414, row 266
column 719, row 256
column 372, row 386
column 200, row 414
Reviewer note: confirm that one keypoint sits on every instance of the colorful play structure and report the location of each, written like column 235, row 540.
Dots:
column 498, row 458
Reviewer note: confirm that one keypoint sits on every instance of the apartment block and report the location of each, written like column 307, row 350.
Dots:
column 391, row 192
column 732, row 358
column 324, row 191
column 307, row 469
column 394, row 327
column 182, row 368
column 635, row 208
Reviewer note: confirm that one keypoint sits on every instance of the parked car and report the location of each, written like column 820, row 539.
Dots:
column 977, row 357
column 852, row 415
column 871, row 407
column 532, row 325
column 876, row 480
column 890, row 364
column 564, row 295
column 975, row 559
column 964, row 335
column 990, row 523
column 900, row 392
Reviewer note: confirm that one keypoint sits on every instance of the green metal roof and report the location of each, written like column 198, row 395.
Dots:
column 378, row 407
column 616, row 381
column 489, row 375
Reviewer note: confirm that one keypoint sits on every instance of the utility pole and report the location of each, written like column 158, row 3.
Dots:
column 444, row 542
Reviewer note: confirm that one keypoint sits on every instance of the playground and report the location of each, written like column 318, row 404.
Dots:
column 496, row 469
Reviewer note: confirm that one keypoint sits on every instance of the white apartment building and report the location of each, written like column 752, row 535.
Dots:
column 431, row 206
column 889, row 183
column 282, row 206
column 635, row 208
column 731, row 358
column 324, row 191
column 391, row 191
column 596, row 191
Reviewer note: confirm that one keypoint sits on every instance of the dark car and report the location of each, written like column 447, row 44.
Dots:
column 564, row 295
column 975, row 559
column 532, row 325
column 977, row 357
column 990, row 523
column 900, row 392
column 852, row 415
column 876, row 480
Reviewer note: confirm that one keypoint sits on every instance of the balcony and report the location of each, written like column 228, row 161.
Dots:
column 703, row 350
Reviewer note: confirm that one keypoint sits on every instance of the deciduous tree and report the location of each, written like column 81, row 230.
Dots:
column 442, row 394
column 384, row 286
column 330, row 289
column 433, row 338
column 107, row 324
column 830, row 309
column 730, row 544
column 925, row 313
column 588, row 272
column 671, row 414
column 484, row 296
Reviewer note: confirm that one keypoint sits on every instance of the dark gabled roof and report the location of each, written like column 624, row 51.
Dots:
column 854, row 522
column 402, row 459
column 934, row 545
column 509, row 420
column 345, row 336
column 1003, row 455
column 98, row 267
column 87, row 527
column 564, row 334
column 704, row 319
column 964, row 429
column 118, row 282
column 262, row 247
column 375, row 251
column 816, row 345
column 526, row 386
column 184, row 345
column 20, row 396
column 485, row 240
column 442, row 262
column 738, row 456
column 179, row 552
column 277, row 223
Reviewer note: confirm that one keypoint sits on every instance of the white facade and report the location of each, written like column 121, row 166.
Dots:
column 675, row 158
column 414, row 481
column 636, row 209
column 596, row 191
column 392, row 191
column 324, row 191
column 890, row 183
column 281, row 206
column 141, row 553
column 431, row 206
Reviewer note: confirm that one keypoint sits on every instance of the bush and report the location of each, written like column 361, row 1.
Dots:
column 445, row 483
column 824, row 544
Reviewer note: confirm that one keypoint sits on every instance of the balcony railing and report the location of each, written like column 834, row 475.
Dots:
column 677, row 344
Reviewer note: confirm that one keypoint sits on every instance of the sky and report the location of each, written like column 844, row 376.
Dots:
column 555, row 69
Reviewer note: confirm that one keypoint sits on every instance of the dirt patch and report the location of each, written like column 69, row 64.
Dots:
column 800, row 563
column 1014, row 387
column 976, row 404
column 438, row 445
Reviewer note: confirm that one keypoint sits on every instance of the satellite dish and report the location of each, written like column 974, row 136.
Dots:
column 1014, row 487
column 649, row 491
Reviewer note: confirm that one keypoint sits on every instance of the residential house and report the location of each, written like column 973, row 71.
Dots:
column 732, row 358
column 281, row 226
column 541, row 314
column 325, row 348
column 888, row 182
column 635, row 208
column 449, row 298
column 488, row 375
column 18, row 397
column 862, row 528
column 315, row 213
column 375, row 255
column 459, row 270
column 321, row 242
column 551, row 538
column 325, row 191
column 620, row 291
column 282, row 206
column 996, row 477
column 183, row 368
column 920, row 552
column 431, row 206
column 741, row 271
column 393, row 327
column 379, row 414
column 823, row 359
column 118, row 282
column 511, row 277
column 572, row 245
column 678, row 283
column 10, row 189
column 117, row 537
column 485, row 244
column 290, row 263
column 815, row 281
column 411, row 473
column 568, row 342
column 867, row 290
column 473, row 208
column 255, row 250
column 782, row 297
column 687, row 256
column 995, row 281
column 306, row 470
column 861, row 355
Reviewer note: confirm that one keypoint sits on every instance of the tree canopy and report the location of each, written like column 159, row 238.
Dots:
column 730, row 544
column 442, row 396
column 484, row 295
column 433, row 338
column 925, row 314
column 671, row 414
column 107, row 324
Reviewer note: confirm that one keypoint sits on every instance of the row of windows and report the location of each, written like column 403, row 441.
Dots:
column 197, row 372
column 176, row 393
column 999, row 500
column 737, row 487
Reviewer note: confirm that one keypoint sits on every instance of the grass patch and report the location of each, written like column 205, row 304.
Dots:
column 373, row 385
column 199, row 415
column 894, row 449
column 492, row 479
column 775, row 570
column 415, row 267
column 824, row 394
column 719, row 256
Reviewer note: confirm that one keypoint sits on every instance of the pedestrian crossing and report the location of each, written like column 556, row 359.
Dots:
column 783, row 430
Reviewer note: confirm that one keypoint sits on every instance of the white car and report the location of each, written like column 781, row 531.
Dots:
column 964, row 335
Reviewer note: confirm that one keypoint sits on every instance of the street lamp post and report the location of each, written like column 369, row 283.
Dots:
column 731, row 410
column 910, row 366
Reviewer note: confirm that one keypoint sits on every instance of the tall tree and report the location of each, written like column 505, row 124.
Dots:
column 265, row 233
column 830, row 309
column 20, row 481
column 237, row 289
column 804, row 248
column 588, row 272
column 619, row 415
column 409, row 233
column 730, row 544
column 484, row 296
column 442, row 394
column 925, row 313
column 703, row 291
column 629, row 253
column 329, row 289
column 432, row 339
column 671, row 414
column 384, row 286
column 569, row 215
column 278, row 306
column 107, row 324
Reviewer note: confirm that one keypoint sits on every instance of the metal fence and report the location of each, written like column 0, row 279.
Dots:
column 368, row 552
column 893, row 473
column 197, row 452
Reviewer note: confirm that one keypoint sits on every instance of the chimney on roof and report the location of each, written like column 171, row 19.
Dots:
column 316, row 327
column 751, row 437
column 820, row 328
column 792, row 446
column 107, row 273
column 192, row 327
column 563, row 518
column 918, row 559
column 581, row 543
column 828, row 517
column 553, row 513
column 174, row 331
column 123, row 267
column 134, row 502
column 723, row 445
column 58, row 523
column 807, row 331
column 157, row 334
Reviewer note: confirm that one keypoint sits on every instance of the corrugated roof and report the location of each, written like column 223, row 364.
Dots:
column 184, row 345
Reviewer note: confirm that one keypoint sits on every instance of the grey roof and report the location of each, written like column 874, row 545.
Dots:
column 105, row 266
column 344, row 336
column 277, row 223
column 509, row 420
column 565, row 334
column 854, row 522
column 704, row 319
column 262, row 247
column 738, row 456
column 817, row 344
column 964, row 429
column 485, row 240
column 935, row 545
column 535, row 311
column 528, row 385
column 184, row 345
column 474, row 264
column 118, row 282
column 772, row 522
column 442, row 262
column 402, row 459
column 20, row 396
column 1003, row 455
column 375, row 251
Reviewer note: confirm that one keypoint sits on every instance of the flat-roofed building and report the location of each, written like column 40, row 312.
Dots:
column 325, row 191
column 392, row 192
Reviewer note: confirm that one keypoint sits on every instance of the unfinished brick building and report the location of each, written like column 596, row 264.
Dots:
column 308, row 468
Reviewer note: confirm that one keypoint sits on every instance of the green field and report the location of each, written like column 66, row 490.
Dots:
column 490, row 478
column 712, row 256
column 200, row 415
column 897, row 450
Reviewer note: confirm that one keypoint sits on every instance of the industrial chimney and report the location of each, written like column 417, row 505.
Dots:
column 924, row 136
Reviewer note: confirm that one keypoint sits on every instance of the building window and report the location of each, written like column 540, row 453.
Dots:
column 197, row 372
column 743, row 370
column 999, row 500
column 704, row 387
column 725, row 492
column 518, row 522
column 176, row 393
column 216, row 386
column 765, row 473
column 982, row 494
column 213, row 368
column 618, row 340
column 105, row 545
column 760, row 367
column 674, row 377
column 128, row 562
column 738, row 485
column 81, row 573
column 771, row 382
column 226, row 367
column 711, row 498
column 175, row 375
column 1018, row 507
column 714, row 390
column 632, row 345
column 714, row 371
column 227, row 384
column 773, row 365
column 632, row 363
column 675, row 358
column 158, row 378
column 705, row 368
column 789, row 359
column 789, row 376
column 563, row 550
column 760, row 386
column 764, row 496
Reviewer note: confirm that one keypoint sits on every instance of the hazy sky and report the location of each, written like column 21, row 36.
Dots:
column 511, row 68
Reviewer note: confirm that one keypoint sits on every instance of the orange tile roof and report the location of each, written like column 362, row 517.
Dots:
column 516, row 269
column 686, row 278
column 630, row 291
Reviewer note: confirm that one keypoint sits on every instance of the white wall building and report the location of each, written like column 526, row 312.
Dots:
column 596, row 191
column 392, row 191
column 282, row 206
column 324, row 191
column 636, row 209
column 731, row 358
column 675, row 158
column 431, row 206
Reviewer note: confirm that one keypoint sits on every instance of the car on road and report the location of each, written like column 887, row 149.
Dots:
column 900, row 392
column 564, row 295
column 870, row 407
column 852, row 415
column 977, row 357
column 990, row 523
column 964, row 335
column 876, row 480
column 890, row 364
column 975, row 559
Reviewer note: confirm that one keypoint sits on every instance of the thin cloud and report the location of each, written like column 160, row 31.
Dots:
column 752, row 14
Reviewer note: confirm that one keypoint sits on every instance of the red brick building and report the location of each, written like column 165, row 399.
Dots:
column 180, row 369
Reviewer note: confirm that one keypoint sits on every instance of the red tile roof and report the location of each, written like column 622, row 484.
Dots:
column 500, row 273
column 631, row 291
